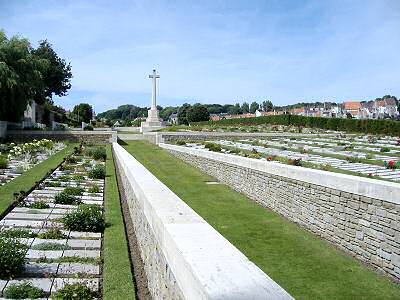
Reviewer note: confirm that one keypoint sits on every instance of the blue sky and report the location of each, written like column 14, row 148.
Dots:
column 217, row 51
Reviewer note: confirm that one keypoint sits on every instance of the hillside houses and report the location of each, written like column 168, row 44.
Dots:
column 374, row 109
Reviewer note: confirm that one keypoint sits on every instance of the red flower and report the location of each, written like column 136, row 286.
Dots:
column 392, row 163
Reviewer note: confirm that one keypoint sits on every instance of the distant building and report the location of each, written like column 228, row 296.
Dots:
column 173, row 119
column 353, row 108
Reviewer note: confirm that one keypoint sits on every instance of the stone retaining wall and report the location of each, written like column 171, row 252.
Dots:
column 21, row 136
column 183, row 256
column 359, row 215
column 195, row 136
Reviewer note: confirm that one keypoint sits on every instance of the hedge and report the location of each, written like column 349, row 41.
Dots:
column 388, row 127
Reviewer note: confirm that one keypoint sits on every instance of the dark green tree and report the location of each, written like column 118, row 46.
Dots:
column 267, row 106
column 56, row 77
column 83, row 112
column 197, row 113
column 182, row 114
column 253, row 107
column 245, row 108
column 235, row 109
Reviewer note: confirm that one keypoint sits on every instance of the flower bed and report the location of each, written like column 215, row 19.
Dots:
column 16, row 159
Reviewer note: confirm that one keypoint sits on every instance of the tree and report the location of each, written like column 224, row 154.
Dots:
column 267, row 106
column 182, row 114
column 26, row 74
column 253, row 107
column 83, row 112
column 56, row 77
column 197, row 113
column 245, row 108
column 235, row 109
column 20, row 77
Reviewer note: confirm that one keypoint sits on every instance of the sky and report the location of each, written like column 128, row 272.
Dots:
column 217, row 51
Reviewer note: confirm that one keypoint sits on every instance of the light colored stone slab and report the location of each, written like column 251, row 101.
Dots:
column 74, row 268
column 82, row 253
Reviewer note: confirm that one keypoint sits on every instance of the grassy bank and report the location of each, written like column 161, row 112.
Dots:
column 117, row 280
column 28, row 179
column 304, row 265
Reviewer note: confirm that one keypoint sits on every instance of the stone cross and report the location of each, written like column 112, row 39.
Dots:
column 153, row 98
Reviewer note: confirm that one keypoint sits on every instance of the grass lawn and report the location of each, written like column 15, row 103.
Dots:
column 307, row 267
column 28, row 179
column 117, row 281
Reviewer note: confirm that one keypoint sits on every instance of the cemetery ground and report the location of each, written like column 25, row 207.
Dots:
column 306, row 266
column 360, row 155
column 57, row 241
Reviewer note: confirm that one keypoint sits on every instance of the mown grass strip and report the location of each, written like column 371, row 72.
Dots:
column 306, row 266
column 28, row 179
column 117, row 275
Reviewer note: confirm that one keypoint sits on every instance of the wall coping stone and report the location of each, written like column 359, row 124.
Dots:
column 368, row 187
column 204, row 263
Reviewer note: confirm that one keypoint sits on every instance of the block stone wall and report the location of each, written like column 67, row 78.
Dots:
column 366, row 227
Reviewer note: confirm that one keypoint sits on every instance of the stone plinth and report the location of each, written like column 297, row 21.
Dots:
column 153, row 122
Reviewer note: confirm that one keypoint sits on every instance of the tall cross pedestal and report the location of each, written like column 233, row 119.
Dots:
column 153, row 121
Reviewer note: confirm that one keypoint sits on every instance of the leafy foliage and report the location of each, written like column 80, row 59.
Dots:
column 24, row 290
column 12, row 257
column 74, row 190
column 77, row 291
column 83, row 112
column 98, row 172
column 29, row 74
column 66, row 199
column 99, row 153
column 17, row 233
column 50, row 246
column 86, row 218
column 39, row 204
column 52, row 234
column 349, row 125
column 197, row 113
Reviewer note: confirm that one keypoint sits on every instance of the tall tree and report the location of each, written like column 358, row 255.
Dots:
column 83, row 112
column 267, row 105
column 26, row 74
column 197, row 113
column 182, row 114
column 245, row 108
column 56, row 77
column 253, row 107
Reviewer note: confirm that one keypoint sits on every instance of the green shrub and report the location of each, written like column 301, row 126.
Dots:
column 39, row 204
column 52, row 234
column 23, row 290
column 98, row 172
column 53, row 183
column 71, row 159
column 77, row 291
column 12, row 257
column 99, row 153
column 64, row 198
column 88, row 128
column 385, row 149
column 94, row 189
column 73, row 190
column 3, row 162
column 47, row 246
column 78, row 177
column 88, row 217
column 180, row 143
column 17, row 233
column 213, row 147
column 350, row 125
